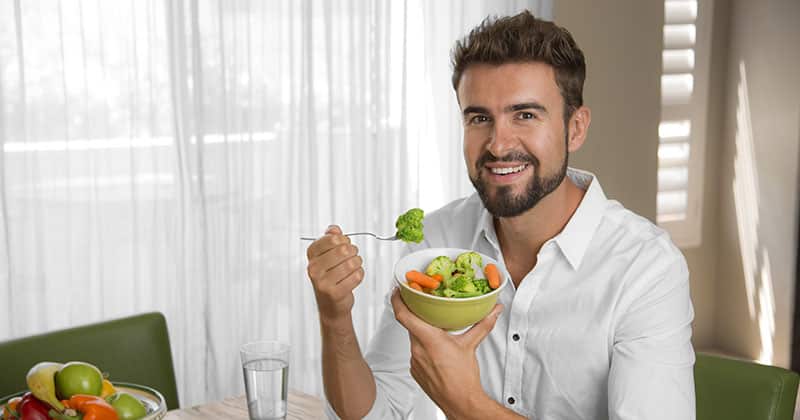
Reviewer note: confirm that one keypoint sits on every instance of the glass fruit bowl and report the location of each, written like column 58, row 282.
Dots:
column 153, row 401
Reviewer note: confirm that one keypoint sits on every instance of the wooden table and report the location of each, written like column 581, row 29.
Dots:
column 301, row 407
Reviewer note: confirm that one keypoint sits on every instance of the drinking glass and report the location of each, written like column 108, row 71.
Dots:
column 265, row 365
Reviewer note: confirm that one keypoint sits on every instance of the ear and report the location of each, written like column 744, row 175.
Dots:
column 578, row 128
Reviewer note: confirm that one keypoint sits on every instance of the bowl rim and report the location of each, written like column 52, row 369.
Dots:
column 503, row 282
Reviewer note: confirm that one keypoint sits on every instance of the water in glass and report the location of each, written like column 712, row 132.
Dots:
column 266, row 382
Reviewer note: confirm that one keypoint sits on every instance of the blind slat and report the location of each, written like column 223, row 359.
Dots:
column 680, row 11
column 673, row 179
column 679, row 36
column 676, row 88
column 677, row 61
column 671, row 205
column 673, row 154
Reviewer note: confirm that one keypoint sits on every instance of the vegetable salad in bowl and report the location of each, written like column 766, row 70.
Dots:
column 450, row 288
column 445, row 277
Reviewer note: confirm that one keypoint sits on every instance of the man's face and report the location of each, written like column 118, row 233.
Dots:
column 514, row 134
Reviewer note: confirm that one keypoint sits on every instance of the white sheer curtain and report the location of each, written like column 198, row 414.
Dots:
column 166, row 155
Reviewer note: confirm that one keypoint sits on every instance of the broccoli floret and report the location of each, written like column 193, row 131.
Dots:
column 466, row 273
column 467, row 260
column 409, row 226
column 462, row 283
column 466, row 294
column 441, row 265
column 410, row 235
column 413, row 216
column 482, row 285
column 457, row 283
column 468, row 289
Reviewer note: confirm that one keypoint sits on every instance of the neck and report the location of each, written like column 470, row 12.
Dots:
column 521, row 237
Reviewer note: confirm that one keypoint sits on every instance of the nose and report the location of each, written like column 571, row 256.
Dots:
column 502, row 139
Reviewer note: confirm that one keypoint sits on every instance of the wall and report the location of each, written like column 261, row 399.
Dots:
column 702, row 259
column 622, row 89
column 622, row 45
column 757, row 187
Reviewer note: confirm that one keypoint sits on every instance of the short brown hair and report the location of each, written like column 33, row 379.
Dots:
column 524, row 38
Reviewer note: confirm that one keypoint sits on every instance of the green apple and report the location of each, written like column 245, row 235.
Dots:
column 127, row 406
column 78, row 378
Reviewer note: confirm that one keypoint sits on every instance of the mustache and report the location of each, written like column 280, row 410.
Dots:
column 513, row 156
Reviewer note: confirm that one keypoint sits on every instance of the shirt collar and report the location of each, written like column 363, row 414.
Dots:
column 574, row 239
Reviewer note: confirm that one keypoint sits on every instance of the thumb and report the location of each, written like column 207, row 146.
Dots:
column 333, row 229
column 479, row 331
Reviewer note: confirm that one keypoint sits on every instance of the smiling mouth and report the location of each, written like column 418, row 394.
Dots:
column 507, row 171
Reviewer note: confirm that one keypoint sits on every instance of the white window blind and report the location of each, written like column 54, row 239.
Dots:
column 681, row 131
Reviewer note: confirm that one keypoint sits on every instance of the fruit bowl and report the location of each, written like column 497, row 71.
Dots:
column 451, row 314
column 153, row 401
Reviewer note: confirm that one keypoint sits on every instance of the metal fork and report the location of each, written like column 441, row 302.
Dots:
column 380, row 238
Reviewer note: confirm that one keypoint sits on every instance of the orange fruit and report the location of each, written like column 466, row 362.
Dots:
column 108, row 389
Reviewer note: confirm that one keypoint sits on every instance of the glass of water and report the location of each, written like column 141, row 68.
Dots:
column 266, row 378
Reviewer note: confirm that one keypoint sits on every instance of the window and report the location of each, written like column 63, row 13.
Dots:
column 682, row 129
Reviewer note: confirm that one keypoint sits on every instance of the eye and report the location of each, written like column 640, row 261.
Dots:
column 478, row 119
column 525, row 115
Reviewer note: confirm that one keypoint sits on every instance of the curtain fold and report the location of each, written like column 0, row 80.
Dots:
column 167, row 155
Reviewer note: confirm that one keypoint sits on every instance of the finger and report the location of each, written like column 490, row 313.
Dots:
column 415, row 326
column 325, row 243
column 349, row 283
column 329, row 281
column 337, row 273
column 479, row 331
column 332, row 237
column 321, row 264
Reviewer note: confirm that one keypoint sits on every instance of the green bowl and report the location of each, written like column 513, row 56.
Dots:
column 153, row 401
column 451, row 314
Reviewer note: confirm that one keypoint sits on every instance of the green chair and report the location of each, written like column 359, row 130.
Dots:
column 134, row 349
column 729, row 389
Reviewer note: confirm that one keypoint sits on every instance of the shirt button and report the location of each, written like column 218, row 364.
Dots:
column 515, row 337
column 511, row 400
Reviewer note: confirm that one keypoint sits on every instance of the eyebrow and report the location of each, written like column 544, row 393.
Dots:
column 475, row 110
column 527, row 105
column 511, row 108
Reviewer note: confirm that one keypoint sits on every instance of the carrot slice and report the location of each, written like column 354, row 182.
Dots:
column 414, row 286
column 422, row 279
column 492, row 275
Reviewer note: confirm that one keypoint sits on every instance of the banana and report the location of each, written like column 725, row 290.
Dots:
column 41, row 382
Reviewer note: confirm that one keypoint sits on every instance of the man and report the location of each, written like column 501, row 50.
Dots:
column 598, row 323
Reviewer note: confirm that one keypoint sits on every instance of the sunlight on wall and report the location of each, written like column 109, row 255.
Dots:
column 757, row 274
column 766, row 311
column 745, row 191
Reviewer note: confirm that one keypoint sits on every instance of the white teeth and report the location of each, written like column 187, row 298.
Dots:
column 504, row 171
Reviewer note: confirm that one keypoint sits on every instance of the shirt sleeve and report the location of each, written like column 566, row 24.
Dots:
column 388, row 356
column 652, row 361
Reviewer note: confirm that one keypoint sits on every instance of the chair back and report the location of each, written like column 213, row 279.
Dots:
column 135, row 349
column 729, row 389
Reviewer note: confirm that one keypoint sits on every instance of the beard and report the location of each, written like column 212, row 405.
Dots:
column 505, row 203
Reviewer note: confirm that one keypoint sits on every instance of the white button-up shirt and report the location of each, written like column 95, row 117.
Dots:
column 600, row 328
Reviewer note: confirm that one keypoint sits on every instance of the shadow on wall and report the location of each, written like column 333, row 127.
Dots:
column 755, row 256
